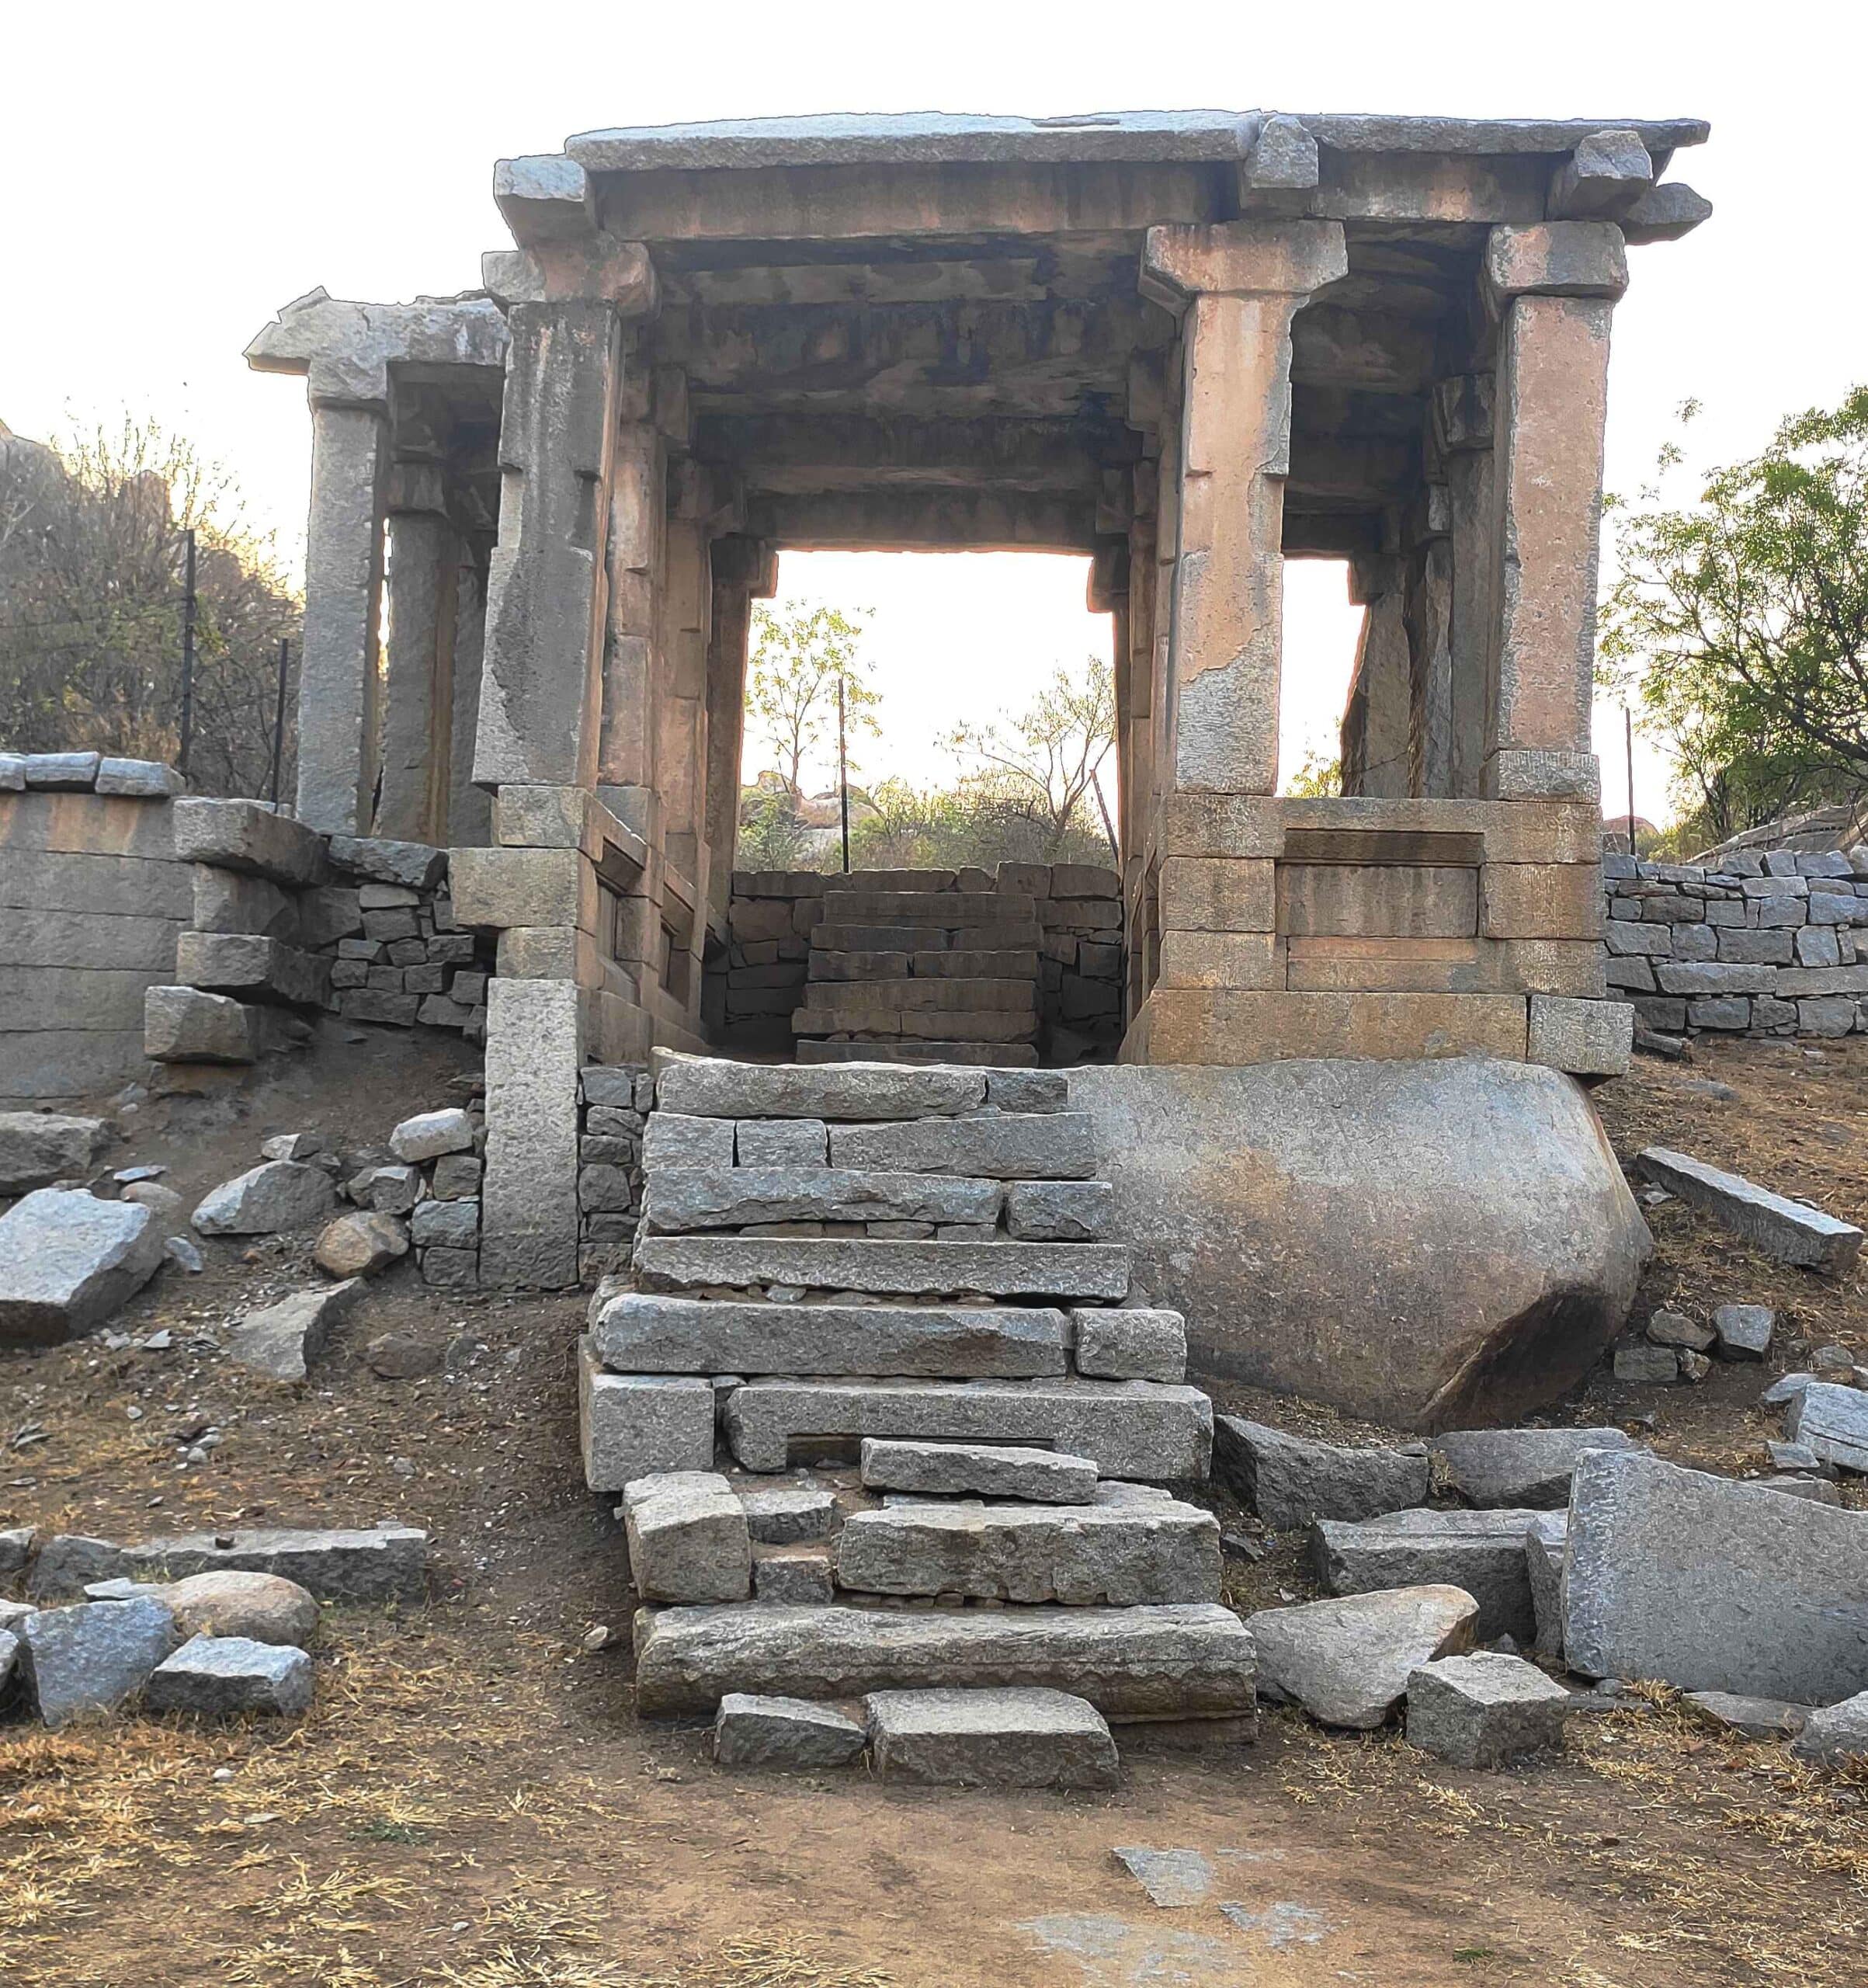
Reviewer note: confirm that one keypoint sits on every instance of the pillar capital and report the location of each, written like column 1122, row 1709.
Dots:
column 344, row 349
column 1556, row 258
column 1182, row 260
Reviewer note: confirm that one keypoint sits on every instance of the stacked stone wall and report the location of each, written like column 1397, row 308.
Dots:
column 614, row 1101
column 1769, row 944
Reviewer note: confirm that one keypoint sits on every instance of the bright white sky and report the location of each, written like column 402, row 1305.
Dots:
column 177, row 175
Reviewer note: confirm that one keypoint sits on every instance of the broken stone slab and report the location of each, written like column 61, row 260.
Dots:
column 1060, row 1210
column 38, row 1148
column 388, row 1190
column 431, row 1134
column 1484, row 1710
column 1832, row 1420
column 679, row 1199
column 752, row 1731
column 1192, row 1660
column 242, row 835
column 1018, row 1738
column 1290, row 1480
column 644, row 1332
column 1639, row 1360
column 930, row 1269
column 1676, row 1328
column 1130, row 1344
column 93, row 1656
column 1792, row 1456
column 688, row 1539
column 1712, row 1585
column 1818, row 1490
column 252, row 966
column 796, row 1575
column 186, row 1025
column 282, row 1341
column 1519, row 1467
column 1757, row 1719
column 984, row 1470
column 1007, row 1145
column 1835, row 1732
column 1144, row 1430
column 1544, row 1540
column 1347, row 1661
column 1482, row 1552
column 385, row 1563
column 1744, row 1330
column 783, row 1514
column 1784, row 1229
column 1086, row 1555
column 708, row 1088
column 279, row 1194
column 360, row 1245
column 631, row 1425
column 68, row 1261
column 223, row 1676
column 139, row 780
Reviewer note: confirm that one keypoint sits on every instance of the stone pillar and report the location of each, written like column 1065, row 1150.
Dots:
column 626, row 764
column 1463, row 418
column 1430, row 721
column 418, row 679
column 681, row 708
column 529, row 1210
column 1237, row 285
column 337, row 714
column 744, row 570
column 470, row 810
column 1554, row 288
column 1375, row 751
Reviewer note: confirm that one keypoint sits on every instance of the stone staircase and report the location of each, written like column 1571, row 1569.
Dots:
column 910, row 968
column 898, row 1285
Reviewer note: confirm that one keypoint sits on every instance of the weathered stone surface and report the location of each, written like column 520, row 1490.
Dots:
column 1639, row 1360
column 632, row 1425
column 1745, row 1330
column 1026, row 1090
column 1083, row 1554
column 709, row 1088
column 1586, row 1038
column 750, row 1731
column 266, row 1607
column 984, row 1470
column 1010, row 1145
column 93, row 1656
column 446, row 1225
column 931, row 1269
column 282, row 1341
column 688, row 1539
column 1347, row 1661
column 1189, row 1661
column 220, row 1677
column 534, row 1046
column 38, row 1148
column 1290, row 1480
column 782, row 1514
column 679, row 1199
column 1060, row 1210
column 1138, row 1430
column 1712, row 1585
column 781, row 1142
column 1833, row 1421
column 641, row 1333
column 188, row 1025
column 61, row 771
column 252, row 966
column 676, row 1139
column 142, row 780
column 431, row 1134
column 1334, row 1171
column 1520, row 1467
column 283, row 1193
column 1130, row 1345
column 68, row 1260
column 360, row 1245
column 1835, row 1732
column 990, row 1738
column 240, row 835
column 1484, row 1710
column 1757, row 1719
column 794, row 1576
column 1482, row 1552
column 1784, row 1229
column 383, row 1563
column 1544, row 1540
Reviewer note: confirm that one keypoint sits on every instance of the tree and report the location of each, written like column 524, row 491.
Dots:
column 1740, row 623
column 1048, row 757
column 1318, row 778
column 800, row 654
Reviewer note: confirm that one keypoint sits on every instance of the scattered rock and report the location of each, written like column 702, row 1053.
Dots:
column 780, row 1514
column 1290, row 1480
column 282, row 1341
column 1786, row 1389
column 1832, row 1422
column 219, row 1676
column 1636, row 1360
column 163, row 1203
column 403, row 1356
column 752, row 1731
column 281, row 1193
column 1676, row 1328
column 1793, row 1456
column 431, row 1134
column 1484, row 1710
column 1523, row 1467
column 93, row 1656
column 264, row 1608
column 68, row 1260
column 1347, row 1661
column 1694, row 1366
column 985, row 1470
column 1744, row 1330
column 38, row 1148
column 1789, row 1231
column 360, row 1245
column 1481, row 1553
column 1835, row 1732
column 292, row 1146
column 183, row 1254
column 1757, row 1719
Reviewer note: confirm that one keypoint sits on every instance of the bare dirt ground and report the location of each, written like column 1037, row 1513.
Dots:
column 471, row 1802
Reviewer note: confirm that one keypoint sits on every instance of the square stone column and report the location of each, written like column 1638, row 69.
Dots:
column 744, row 570
column 418, row 680
column 469, row 813
column 1376, row 718
column 1237, row 285
column 337, row 714
column 626, row 764
column 1463, row 422
column 1554, row 288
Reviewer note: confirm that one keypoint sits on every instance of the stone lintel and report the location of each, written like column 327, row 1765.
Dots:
column 1181, row 260
column 344, row 349
column 1556, row 258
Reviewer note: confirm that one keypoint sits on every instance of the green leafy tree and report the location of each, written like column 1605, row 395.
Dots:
column 1318, row 778
column 800, row 655
column 1045, row 761
column 1739, row 623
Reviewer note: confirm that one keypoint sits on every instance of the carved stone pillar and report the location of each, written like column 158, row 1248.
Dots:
column 1237, row 285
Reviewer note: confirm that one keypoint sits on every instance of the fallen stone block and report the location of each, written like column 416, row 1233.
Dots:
column 1757, row 1719
column 794, row 1576
column 929, row 1270
column 68, row 1261
column 708, row 1088
column 140, row 779
column 1347, row 1661
column 750, row 1731
column 982, row 1470
column 282, row 1341
column 38, row 1148
column 381, row 1563
column 1290, row 1480
column 990, row 1738
column 687, row 1540
column 1519, row 1467
column 1484, row 1710
column 631, row 1425
column 222, row 1677
column 679, row 1199
column 360, row 1245
column 1711, row 1584
column 1139, row 1430
column 413, row 865
column 1784, row 1229
column 1130, row 1345
column 252, row 966
column 1191, row 1661
column 644, row 1332
column 91, row 1657
column 240, row 835
column 431, row 1134
column 1639, row 1360
column 1060, row 1210
column 1545, row 1538
column 1745, row 1330
column 1009, row 1145
column 280, row 1194
column 185, row 1025
column 782, row 1514
column 1833, row 1421
column 1086, row 1555
column 1676, row 1328
column 1835, row 1732
column 1482, row 1552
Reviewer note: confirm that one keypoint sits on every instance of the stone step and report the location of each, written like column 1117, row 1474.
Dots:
column 1083, row 1555
column 877, row 967
column 1006, row 1145
column 1481, row 1551
column 710, row 1087
column 951, row 908
column 1003, row 935
column 679, row 1199
column 1147, row 1431
column 1004, row 1055
column 254, row 967
column 984, row 1470
column 641, row 1333
column 866, row 1018
column 955, row 994
column 990, row 1738
column 922, row 1270
column 1189, row 1660
column 859, row 966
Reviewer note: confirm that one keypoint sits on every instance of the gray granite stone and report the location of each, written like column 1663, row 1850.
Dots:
column 1833, row 1421
column 634, row 1424
column 675, row 1139
column 222, row 1677
column 38, row 1148
column 1484, row 1710
column 687, row 1538
column 1519, row 1467
column 1745, row 1330
column 711, row 1089
column 679, row 1200
column 985, row 1470
column 1060, row 1210
column 1347, row 1661
column 1290, row 1480
column 782, row 1514
column 796, row 1575
column 781, row 1142
column 93, row 1656
column 1006, row 1145
column 1482, row 1552
column 1835, row 1732
column 282, row 1341
column 281, row 1194
column 1017, row 1738
column 1757, row 1719
column 750, row 1731
column 929, row 1270
column 1130, row 1344
column 1784, row 1229
column 68, row 1260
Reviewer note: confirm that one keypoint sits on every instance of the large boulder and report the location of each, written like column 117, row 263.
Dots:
column 67, row 1260
column 38, row 1148
column 1430, row 1244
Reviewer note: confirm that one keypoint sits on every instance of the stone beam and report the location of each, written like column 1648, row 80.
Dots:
column 926, row 520
column 344, row 349
column 802, row 453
